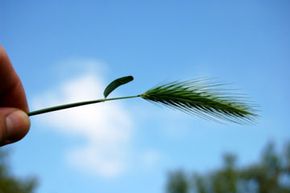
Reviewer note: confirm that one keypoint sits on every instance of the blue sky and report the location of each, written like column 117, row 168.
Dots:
column 69, row 50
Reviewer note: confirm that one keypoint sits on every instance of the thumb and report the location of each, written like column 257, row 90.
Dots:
column 14, row 124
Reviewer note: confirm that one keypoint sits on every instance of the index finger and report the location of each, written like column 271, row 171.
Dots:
column 11, row 90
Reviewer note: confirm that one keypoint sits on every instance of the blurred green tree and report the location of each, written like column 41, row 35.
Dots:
column 270, row 175
column 178, row 182
column 11, row 184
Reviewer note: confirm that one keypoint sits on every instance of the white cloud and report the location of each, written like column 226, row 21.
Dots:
column 151, row 158
column 105, row 127
column 93, row 159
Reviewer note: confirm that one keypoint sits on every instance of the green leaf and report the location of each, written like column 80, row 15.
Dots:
column 116, row 83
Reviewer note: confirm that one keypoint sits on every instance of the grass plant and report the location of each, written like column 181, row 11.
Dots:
column 195, row 97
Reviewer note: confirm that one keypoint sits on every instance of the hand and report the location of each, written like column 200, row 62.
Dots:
column 14, row 122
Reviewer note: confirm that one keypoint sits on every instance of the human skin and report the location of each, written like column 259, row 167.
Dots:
column 14, row 122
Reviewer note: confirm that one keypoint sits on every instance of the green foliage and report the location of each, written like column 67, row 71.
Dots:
column 178, row 183
column 10, row 183
column 193, row 97
column 202, row 99
column 225, row 179
column 116, row 83
column 270, row 175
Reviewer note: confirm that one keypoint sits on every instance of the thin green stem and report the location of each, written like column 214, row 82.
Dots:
column 71, row 105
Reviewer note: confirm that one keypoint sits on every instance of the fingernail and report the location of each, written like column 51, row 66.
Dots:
column 17, row 124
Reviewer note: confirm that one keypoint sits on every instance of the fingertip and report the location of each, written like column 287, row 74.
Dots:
column 17, row 126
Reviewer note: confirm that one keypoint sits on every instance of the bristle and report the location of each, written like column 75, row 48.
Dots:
column 199, row 98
